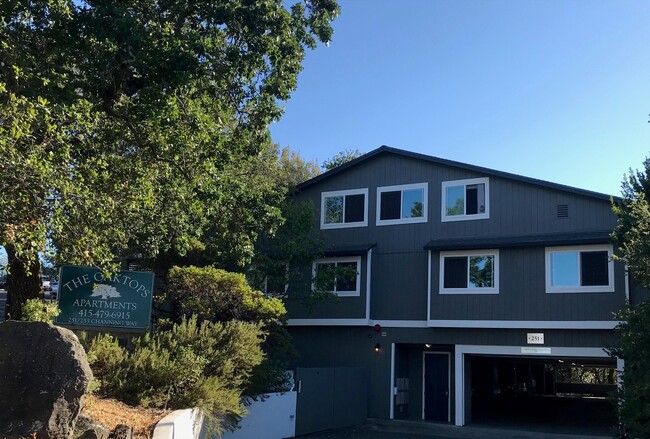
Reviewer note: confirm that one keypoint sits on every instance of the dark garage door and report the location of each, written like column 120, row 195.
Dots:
column 551, row 395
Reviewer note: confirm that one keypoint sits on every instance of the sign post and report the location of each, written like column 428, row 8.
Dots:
column 87, row 298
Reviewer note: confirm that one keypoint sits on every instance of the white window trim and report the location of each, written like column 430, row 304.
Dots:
column 468, row 253
column 485, row 215
column 336, row 260
column 403, row 187
column 343, row 193
column 580, row 289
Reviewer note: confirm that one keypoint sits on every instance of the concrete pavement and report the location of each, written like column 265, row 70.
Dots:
column 382, row 429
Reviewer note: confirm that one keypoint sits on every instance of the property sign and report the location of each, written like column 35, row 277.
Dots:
column 87, row 298
column 535, row 338
column 535, row 350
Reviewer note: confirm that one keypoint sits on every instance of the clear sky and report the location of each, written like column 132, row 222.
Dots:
column 554, row 89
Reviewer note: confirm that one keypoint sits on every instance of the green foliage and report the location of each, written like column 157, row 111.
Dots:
column 634, row 347
column 280, row 257
column 585, row 375
column 340, row 159
column 632, row 236
column 294, row 170
column 38, row 310
column 217, row 295
column 204, row 365
column 137, row 127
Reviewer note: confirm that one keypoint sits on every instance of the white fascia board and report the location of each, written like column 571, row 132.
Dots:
column 399, row 323
column 469, row 324
column 328, row 322
column 524, row 324
column 584, row 352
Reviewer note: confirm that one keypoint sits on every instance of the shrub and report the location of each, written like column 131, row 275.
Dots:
column 203, row 365
column 218, row 295
column 38, row 310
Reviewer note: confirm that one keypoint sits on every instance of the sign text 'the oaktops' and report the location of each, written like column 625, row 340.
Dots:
column 87, row 298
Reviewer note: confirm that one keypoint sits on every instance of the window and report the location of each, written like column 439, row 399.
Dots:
column 466, row 199
column 276, row 282
column 402, row 204
column 469, row 272
column 582, row 269
column 338, row 275
column 272, row 278
column 344, row 209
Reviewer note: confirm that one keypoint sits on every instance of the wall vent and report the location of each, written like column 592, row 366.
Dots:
column 562, row 210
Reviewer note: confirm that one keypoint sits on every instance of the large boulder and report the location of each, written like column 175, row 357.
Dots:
column 88, row 428
column 44, row 374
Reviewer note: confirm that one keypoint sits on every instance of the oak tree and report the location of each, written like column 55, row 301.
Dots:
column 130, row 128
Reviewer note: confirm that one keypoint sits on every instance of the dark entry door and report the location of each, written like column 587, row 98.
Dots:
column 436, row 386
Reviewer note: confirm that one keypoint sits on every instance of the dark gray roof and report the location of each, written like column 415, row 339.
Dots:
column 578, row 238
column 349, row 250
column 487, row 171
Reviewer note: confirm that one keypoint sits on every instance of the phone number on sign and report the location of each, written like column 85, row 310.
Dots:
column 105, row 314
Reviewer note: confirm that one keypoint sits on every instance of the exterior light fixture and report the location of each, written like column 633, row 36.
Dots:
column 377, row 347
column 428, row 345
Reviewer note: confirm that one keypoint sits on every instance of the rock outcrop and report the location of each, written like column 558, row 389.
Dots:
column 88, row 428
column 44, row 374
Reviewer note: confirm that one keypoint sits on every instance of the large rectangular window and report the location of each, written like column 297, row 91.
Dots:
column 582, row 269
column 347, row 208
column 469, row 272
column 340, row 275
column 466, row 199
column 402, row 204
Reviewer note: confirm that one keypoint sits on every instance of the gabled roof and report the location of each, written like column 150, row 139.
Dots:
column 479, row 169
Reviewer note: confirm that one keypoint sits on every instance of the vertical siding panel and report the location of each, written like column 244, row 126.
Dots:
column 516, row 208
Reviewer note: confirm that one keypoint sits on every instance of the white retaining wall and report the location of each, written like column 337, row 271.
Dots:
column 180, row 424
column 272, row 418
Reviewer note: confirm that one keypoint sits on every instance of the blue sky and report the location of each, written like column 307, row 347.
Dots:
column 553, row 89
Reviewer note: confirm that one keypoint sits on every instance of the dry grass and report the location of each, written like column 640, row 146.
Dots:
column 110, row 413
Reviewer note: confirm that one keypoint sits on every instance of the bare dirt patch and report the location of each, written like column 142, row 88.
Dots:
column 110, row 413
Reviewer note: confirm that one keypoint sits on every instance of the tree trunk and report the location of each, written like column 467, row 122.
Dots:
column 23, row 282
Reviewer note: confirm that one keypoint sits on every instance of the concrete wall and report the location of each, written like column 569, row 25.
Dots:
column 180, row 424
column 271, row 418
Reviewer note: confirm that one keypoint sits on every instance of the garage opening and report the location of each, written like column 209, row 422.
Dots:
column 560, row 395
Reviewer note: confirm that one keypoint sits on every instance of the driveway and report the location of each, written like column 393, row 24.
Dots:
column 380, row 429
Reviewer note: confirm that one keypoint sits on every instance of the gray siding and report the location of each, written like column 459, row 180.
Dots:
column 299, row 304
column 522, row 294
column 354, row 347
column 399, row 263
column 399, row 286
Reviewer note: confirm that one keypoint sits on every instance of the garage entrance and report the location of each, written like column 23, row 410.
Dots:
column 539, row 393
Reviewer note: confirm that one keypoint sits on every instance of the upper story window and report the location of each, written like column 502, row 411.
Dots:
column 340, row 275
column 347, row 208
column 580, row 269
column 402, row 204
column 469, row 272
column 466, row 199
